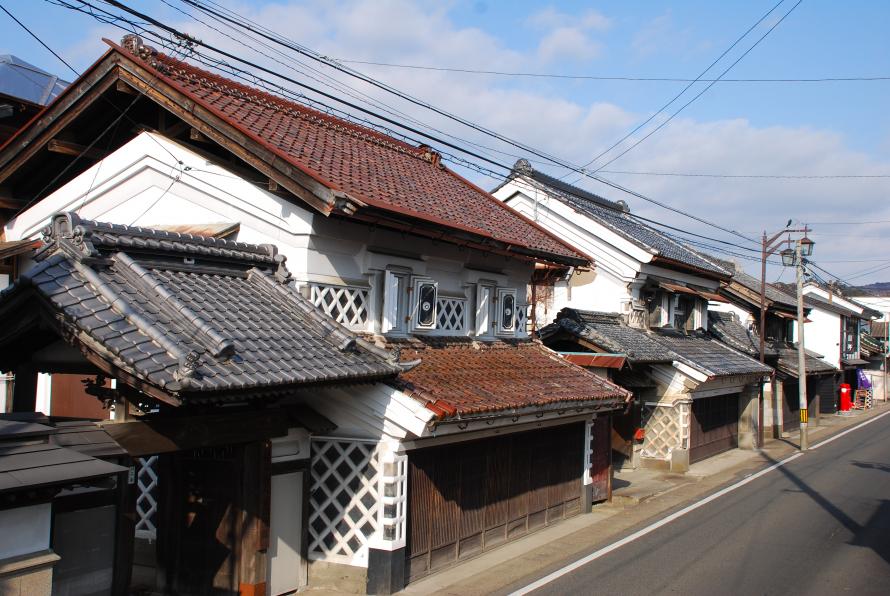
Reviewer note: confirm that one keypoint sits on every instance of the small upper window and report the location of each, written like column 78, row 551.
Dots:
column 426, row 305
column 506, row 311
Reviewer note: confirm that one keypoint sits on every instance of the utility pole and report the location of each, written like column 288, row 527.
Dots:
column 769, row 246
column 801, row 352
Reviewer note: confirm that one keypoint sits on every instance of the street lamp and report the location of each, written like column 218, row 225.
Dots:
column 788, row 257
column 806, row 247
column 771, row 245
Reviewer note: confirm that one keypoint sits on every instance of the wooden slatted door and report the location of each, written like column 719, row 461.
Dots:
column 791, row 406
column 470, row 497
column 714, row 427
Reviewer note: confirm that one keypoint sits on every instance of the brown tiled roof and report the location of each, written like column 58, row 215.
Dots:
column 460, row 376
column 379, row 170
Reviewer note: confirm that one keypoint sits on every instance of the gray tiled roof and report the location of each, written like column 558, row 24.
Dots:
column 710, row 356
column 788, row 358
column 773, row 294
column 198, row 318
column 815, row 301
column 616, row 218
column 698, row 350
column 726, row 328
column 607, row 331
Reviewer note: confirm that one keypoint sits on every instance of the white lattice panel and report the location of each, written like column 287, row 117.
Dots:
column 394, row 492
column 147, row 499
column 522, row 317
column 664, row 431
column 452, row 314
column 344, row 501
column 345, row 304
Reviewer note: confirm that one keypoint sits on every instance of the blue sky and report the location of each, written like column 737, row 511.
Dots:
column 734, row 128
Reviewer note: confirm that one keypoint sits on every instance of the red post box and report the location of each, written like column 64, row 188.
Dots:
column 846, row 397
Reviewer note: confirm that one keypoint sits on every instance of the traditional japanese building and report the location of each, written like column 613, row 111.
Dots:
column 401, row 259
column 646, row 287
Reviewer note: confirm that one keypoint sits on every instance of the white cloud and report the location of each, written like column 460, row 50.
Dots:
column 567, row 43
column 551, row 18
column 550, row 119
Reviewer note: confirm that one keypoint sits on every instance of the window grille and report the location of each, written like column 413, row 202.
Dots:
column 452, row 314
column 522, row 317
column 344, row 501
column 147, row 497
column 348, row 305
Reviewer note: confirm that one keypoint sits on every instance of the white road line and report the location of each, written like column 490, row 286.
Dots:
column 849, row 430
column 676, row 515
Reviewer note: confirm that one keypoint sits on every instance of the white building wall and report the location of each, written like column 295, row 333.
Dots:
column 823, row 335
column 140, row 184
column 745, row 317
column 25, row 530
column 620, row 266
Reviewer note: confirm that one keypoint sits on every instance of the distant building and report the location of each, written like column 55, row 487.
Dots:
column 24, row 91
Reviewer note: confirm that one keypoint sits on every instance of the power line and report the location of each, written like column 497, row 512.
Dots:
column 293, row 46
column 547, row 75
column 305, row 51
column 686, row 88
column 179, row 34
column 703, row 91
column 746, row 176
column 848, row 223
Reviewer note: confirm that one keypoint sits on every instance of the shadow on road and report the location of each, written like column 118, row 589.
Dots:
column 875, row 534
column 872, row 465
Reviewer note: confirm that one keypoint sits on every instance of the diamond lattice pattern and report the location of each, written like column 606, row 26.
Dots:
column 147, row 499
column 345, row 304
column 452, row 314
column 343, row 501
column 664, row 431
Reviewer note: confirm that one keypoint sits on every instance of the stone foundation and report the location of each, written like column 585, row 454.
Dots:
column 28, row 575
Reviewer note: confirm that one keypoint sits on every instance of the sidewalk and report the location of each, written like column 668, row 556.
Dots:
column 639, row 496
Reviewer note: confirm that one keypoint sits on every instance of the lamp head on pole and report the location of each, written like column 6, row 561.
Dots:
column 788, row 257
column 806, row 247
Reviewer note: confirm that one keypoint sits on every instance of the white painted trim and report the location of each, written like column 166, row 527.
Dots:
column 690, row 372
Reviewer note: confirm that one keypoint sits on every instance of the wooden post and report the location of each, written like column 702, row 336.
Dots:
column 256, row 497
column 24, row 393
column 126, row 529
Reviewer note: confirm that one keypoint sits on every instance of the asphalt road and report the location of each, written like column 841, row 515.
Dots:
column 820, row 524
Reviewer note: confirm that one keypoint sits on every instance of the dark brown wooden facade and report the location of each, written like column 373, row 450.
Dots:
column 470, row 497
column 714, row 426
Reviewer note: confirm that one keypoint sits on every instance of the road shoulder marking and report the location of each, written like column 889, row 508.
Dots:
column 677, row 514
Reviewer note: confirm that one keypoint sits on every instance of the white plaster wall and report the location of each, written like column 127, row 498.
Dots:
column 620, row 266
column 823, row 335
column 822, row 293
column 24, row 530
column 43, row 402
column 743, row 315
column 879, row 303
column 141, row 184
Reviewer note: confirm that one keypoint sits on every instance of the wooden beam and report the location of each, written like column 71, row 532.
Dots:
column 8, row 201
column 174, row 130
column 74, row 149
column 60, row 114
column 122, row 87
column 195, row 135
